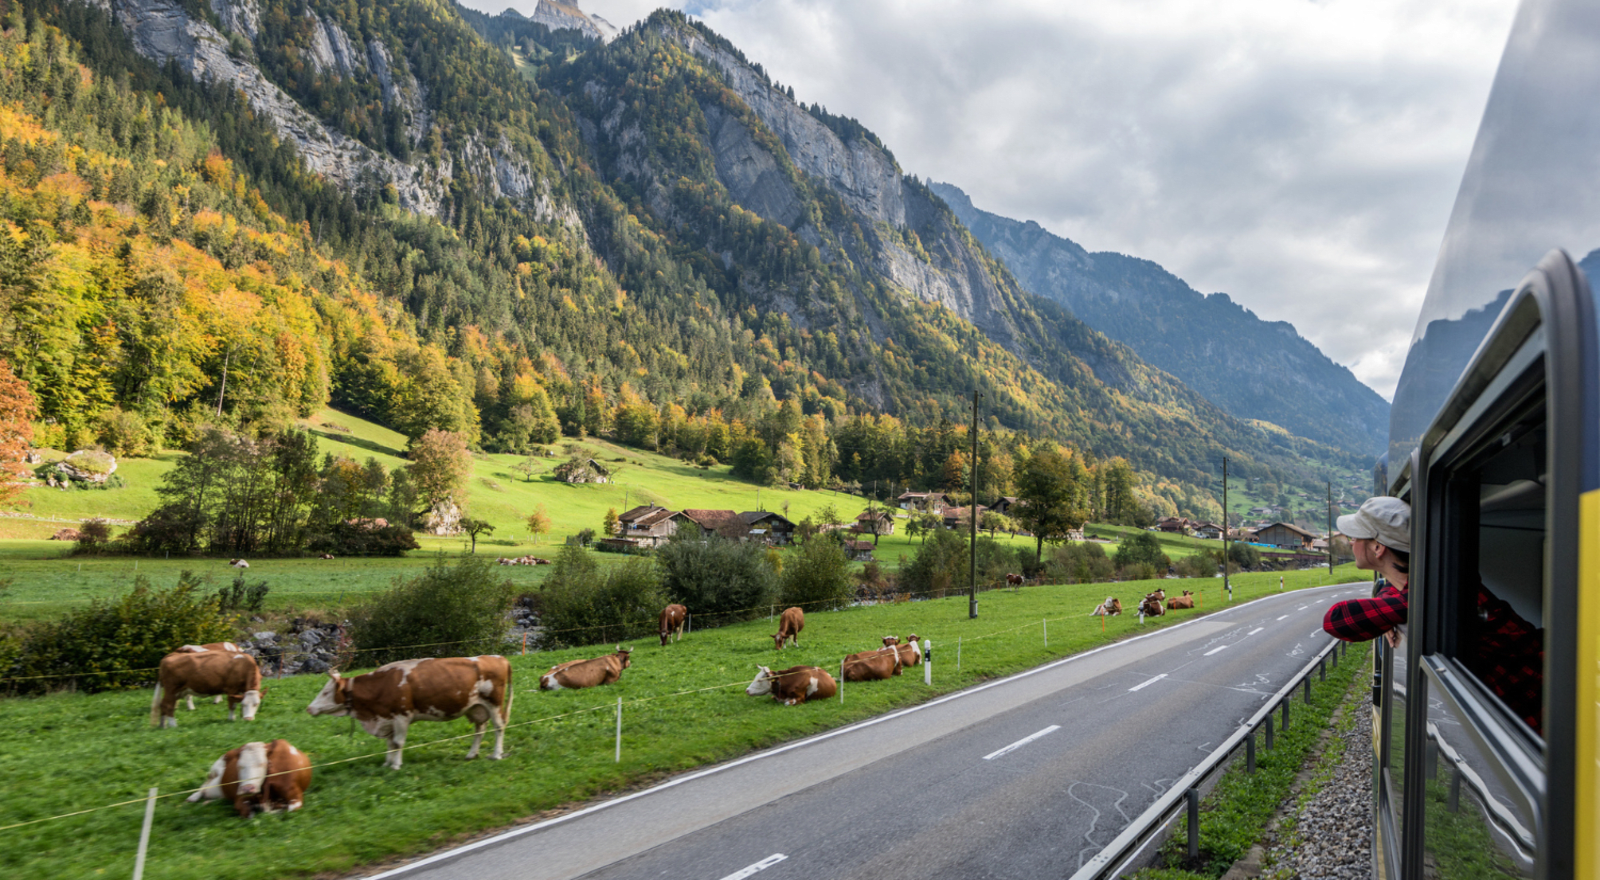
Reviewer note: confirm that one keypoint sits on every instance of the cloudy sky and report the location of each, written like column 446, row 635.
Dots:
column 1300, row 156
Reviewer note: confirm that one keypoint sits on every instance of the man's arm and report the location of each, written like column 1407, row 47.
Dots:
column 1361, row 620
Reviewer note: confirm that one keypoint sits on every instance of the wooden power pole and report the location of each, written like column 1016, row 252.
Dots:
column 972, row 519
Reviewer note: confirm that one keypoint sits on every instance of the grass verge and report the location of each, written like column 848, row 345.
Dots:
column 684, row 707
column 1234, row 817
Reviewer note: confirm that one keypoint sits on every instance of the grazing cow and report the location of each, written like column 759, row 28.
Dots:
column 872, row 665
column 326, row 556
column 258, row 776
column 1150, row 605
column 1107, row 608
column 575, row 674
column 910, row 652
column 1014, row 580
column 790, row 623
column 1184, row 601
column 387, row 699
column 794, row 685
column 672, row 619
column 238, row 563
column 211, row 671
column 201, row 649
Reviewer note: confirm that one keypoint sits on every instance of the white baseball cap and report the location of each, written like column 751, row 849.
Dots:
column 1383, row 517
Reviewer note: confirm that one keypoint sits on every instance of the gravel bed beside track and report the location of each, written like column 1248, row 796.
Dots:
column 1329, row 835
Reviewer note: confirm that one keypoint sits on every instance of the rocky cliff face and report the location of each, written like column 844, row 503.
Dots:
column 163, row 31
column 567, row 16
column 1252, row 368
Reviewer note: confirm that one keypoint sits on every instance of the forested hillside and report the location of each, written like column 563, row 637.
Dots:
column 1254, row 369
column 579, row 247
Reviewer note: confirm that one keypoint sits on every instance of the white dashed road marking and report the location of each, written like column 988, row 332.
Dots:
column 1022, row 742
column 762, row 865
column 1146, row 684
column 1256, row 630
column 1215, row 650
column 1285, row 617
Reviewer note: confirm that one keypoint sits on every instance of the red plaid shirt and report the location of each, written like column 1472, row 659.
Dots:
column 1507, row 655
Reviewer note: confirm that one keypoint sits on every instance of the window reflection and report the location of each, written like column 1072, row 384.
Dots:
column 1474, row 827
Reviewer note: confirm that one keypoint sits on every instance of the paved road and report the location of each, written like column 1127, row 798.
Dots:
column 1026, row 777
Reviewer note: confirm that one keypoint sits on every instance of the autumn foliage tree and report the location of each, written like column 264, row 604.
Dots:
column 17, row 411
column 440, row 466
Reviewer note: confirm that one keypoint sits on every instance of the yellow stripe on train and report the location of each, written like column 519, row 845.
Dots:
column 1587, row 815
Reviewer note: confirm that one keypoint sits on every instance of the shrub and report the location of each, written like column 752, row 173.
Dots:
column 1243, row 557
column 123, row 433
column 446, row 611
column 93, row 535
column 582, row 605
column 817, row 578
column 717, row 576
column 943, row 563
column 1138, row 571
column 238, row 597
column 1198, row 565
column 118, row 643
column 1142, row 547
column 1079, row 563
column 362, row 538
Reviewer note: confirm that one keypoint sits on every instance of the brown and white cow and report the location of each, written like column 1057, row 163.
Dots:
column 238, row 563
column 388, row 699
column 201, row 649
column 210, row 671
column 872, row 665
column 790, row 623
column 258, row 776
column 1014, row 580
column 672, row 620
column 1150, row 605
column 1110, row 607
column 910, row 651
column 794, row 685
column 1184, row 601
column 575, row 674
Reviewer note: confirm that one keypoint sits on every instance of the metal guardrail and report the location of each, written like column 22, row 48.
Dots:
column 1185, row 794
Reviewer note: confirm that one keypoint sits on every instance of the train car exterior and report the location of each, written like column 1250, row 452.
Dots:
column 1487, row 712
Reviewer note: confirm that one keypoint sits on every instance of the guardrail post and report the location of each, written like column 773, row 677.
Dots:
column 1269, row 732
column 1455, row 791
column 1250, row 753
column 1308, row 690
column 1430, row 761
column 1193, row 797
column 1286, row 704
column 1322, row 668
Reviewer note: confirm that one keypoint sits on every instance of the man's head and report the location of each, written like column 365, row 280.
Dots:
column 1380, row 534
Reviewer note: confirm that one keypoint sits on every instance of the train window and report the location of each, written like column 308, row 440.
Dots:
column 1492, row 584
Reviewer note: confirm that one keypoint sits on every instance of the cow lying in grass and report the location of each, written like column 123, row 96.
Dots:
column 1150, row 605
column 1184, row 601
column 1109, row 608
column 794, row 685
column 910, row 652
column 207, row 670
column 575, row 674
column 387, row 699
column 872, row 665
column 258, row 776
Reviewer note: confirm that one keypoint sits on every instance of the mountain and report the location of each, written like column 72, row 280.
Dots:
column 545, row 234
column 1254, row 369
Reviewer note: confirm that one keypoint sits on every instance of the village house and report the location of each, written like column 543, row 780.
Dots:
column 761, row 525
column 1004, row 505
column 1208, row 530
column 932, row 502
column 649, row 525
column 1173, row 524
column 1284, row 536
column 858, row 551
column 874, row 522
column 956, row 517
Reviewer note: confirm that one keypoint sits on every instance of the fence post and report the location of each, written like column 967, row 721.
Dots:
column 1046, row 624
column 841, row 682
column 1250, row 753
column 958, row 653
column 619, row 730
column 927, row 662
column 1193, row 797
column 144, row 835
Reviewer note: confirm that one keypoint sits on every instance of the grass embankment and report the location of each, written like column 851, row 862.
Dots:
column 1234, row 817
column 683, row 707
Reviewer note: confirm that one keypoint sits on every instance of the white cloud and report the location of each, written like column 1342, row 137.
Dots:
column 1300, row 156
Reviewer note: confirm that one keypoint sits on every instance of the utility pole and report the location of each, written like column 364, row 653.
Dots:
column 972, row 519
column 1330, row 526
column 1227, row 541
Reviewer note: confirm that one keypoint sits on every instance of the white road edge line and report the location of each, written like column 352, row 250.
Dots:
column 1256, row 630
column 1215, row 650
column 756, row 868
column 841, row 731
column 1147, row 684
column 1022, row 742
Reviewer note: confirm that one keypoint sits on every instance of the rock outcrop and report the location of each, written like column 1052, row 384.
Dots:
column 567, row 16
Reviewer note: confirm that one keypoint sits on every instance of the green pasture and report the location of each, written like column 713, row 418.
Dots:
column 683, row 707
